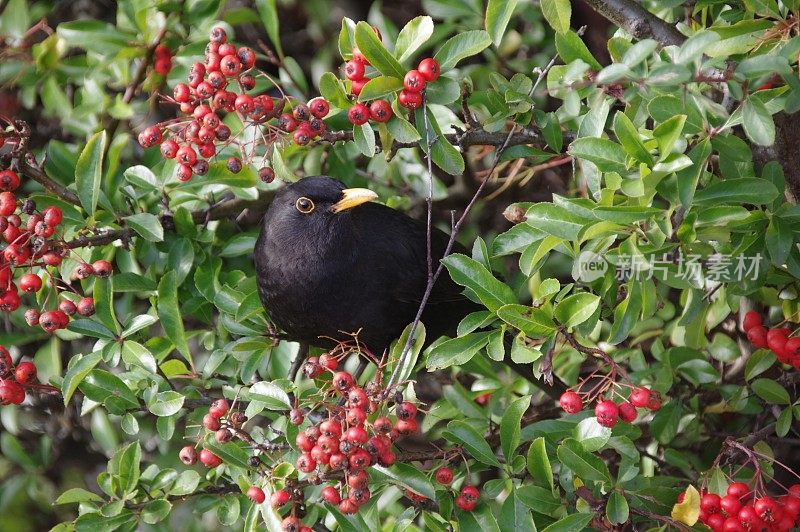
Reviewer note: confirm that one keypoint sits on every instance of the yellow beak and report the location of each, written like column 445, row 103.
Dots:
column 353, row 197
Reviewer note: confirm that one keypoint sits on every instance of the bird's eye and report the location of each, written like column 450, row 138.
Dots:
column 304, row 205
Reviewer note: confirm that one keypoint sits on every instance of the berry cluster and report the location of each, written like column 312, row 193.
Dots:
column 163, row 62
column 608, row 412
column 778, row 339
column 193, row 138
column 33, row 241
column 13, row 379
column 224, row 423
column 380, row 110
column 739, row 510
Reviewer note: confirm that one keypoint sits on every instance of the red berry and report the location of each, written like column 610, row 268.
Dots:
column 287, row 123
column 319, row 107
column 464, row 505
column 302, row 136
column 627, row 412
column 794, row 490
column 163, row 65
column 407, row 426
column 654, row 403
column 331, row 495
column 329, row 362
column 414, row 81
column 354, row 70
column 279, row 498
column 748, row 516
column 169, row 149
column 102, row 268
column 751, row 319
column 347, row 506
column 32, row 317
column 68, row 307
column 218, row 35
column 768, row 509
column 85, row 306
column 357, row 435
column 247, row 57
column 256, row 494
column 187, row 155
column 360, row 459
column 356, row 416
column 8, row 203
column 234, row 165
column 342, row 381
column 9, row 301
column 792, row 347
column 776, row 343
column 710, row 503
column 303, row 442
column 380, row 111
column 184, row 172
column 607, row 413
column 219, row 408
column 732, row 524
column 30, row 283
column 358, row 56
column 429, row 68
column 357, row 397
column 9, row 180
column 267, row 175
column 357, row 85
column 230, row 65
column 639, row 397
column 757, row 335
column 358, row 114
column 162, row 50
column 182, row 93
column 11, row 393
column 410, row 100
column 25, row 372
column 406, row 410
column 188, row 455
column 211, row 422
column 330, row 427
column 209, row 459
column 570, row 402
column 305, row 463
column 244, row 104
column 470, row 493
column 730, row 504
column 444, row 476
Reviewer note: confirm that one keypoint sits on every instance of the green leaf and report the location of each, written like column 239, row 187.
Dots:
column 461, row 46
column 538, row 463
column 665, row 423
column 584, row 464
column 539, row 499
column 558, row 14
column 736, row 191
column 606, row 154
column 364, row 137
column 414, row 34
column 759, row 362
column 462, row 432
column 231, row 453
column 690, row 176
column 410, row 361
column 166, row 404
column 77, row 372
column 770, row 391
column 125, row 466
column 270, row 20
column 617, row 508
column 510, row 426
column 156, row 511
column 102, row 386
column 757, row 122
column 534, row 322
column 331, row 89
column 498, row 13
column 628, row 136
column 407, row 476
column 667, row 134
column 515, row 516
column 402, row 130
column 555, row 220
column 570, row 523
column 141, row 177
column 147, row 225
column 470, row 273
column 570, row 47
column 591, row 434
column 271, row 395
column 779, row 240
column 379, row 87
column 376, row 53
column 89, row 172
column 575, row 309
column 456, row 351
column 170, row 315
column 77, row 495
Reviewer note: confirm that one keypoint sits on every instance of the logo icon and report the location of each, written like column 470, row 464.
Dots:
column 589, row 267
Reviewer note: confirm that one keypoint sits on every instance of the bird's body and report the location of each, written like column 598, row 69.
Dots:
column 335, row 271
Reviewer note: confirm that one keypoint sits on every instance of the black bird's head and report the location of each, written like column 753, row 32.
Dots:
column 312, row 208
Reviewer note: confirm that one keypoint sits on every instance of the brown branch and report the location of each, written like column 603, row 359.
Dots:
column 472, row 137
column 211, row 490
column 638, row 21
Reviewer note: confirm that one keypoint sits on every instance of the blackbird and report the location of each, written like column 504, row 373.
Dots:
column 330, row 263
